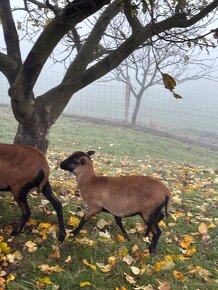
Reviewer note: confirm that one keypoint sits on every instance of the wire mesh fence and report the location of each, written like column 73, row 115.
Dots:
column 194, row 117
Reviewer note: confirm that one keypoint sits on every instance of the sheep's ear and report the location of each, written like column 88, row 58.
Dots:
column 90, row 153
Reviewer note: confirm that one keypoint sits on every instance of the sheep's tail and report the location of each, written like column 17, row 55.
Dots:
column 167, row 205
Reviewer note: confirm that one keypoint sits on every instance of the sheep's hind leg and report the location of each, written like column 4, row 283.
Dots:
column 85, row 218
column 21, row 199
column 156, row 231
column 120, row 224
column 161, row 216
column 47, row 192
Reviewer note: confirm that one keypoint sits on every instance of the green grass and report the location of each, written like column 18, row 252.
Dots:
column 190, row 173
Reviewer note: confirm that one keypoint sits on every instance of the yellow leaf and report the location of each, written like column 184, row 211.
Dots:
column 179, row 276
column 43, row 234
column 57, row 269
column 158, row 266
column 45, row 280
column 4, row 248
column 85, row 262
column 31, row 222
column 123, row 252
column 112, row 260
column 10, row 278
column 120, row 238
column 186, row 241
column 190, row 251
column 104, row 268
column 18, row 255
column 44, row 225
column 83, row 284
column 73, row 221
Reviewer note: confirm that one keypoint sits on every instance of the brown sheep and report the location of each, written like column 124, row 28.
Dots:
column 122, row 196
column 23, row 168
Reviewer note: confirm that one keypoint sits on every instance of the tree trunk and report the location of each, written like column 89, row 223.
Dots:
column 33, row 136
column 136, row 109
column 34, row 120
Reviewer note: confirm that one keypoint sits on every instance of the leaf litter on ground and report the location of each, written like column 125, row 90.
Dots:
column 189, row 236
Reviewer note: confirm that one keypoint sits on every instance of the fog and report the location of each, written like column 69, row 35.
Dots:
column 198, row 106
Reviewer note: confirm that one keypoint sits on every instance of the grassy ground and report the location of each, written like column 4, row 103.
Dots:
column 99, row 257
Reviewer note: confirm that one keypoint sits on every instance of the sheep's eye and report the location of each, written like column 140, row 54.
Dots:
column 83, row 161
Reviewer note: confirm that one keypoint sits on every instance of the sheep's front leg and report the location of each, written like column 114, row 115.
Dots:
column 92, row 212
column 120, row 224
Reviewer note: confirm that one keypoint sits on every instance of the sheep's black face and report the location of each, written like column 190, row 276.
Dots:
column 76, row 159
column 69, row 164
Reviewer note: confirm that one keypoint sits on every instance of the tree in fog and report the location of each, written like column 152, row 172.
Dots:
column 144, row 67
column 57, row 26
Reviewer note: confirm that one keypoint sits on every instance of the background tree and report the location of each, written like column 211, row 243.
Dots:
column 51, row 23
column 144, row 67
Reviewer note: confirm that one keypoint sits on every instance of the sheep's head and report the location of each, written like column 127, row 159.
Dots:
column 75, row 161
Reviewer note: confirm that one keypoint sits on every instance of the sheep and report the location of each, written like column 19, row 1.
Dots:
column 23, row 168
column 122, row 196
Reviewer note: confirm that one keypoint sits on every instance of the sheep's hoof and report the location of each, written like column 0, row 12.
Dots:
column 16, row 231
column 72, row 234
column 61, row 237
column 127, row 237
column 152, row 250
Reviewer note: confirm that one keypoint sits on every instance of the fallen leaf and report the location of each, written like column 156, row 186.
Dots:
column 83, row 284
column 44, row 226
column 129, row 279
column 10, row 278
column 31, row 246
column 135, row 270
column 186, row 241
column 104, row 235
column 190, row 251
column 164, row 285
column 68, row 260
column 128, row 259
column 203, row 229
column 85, row 241
column 45, row 280
column 179, row 276
column 73, row 221
column 85, row 262
column 101, row 223
column 50, row 269
column 104, row 268
column 120, row 238
column 4, row 248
